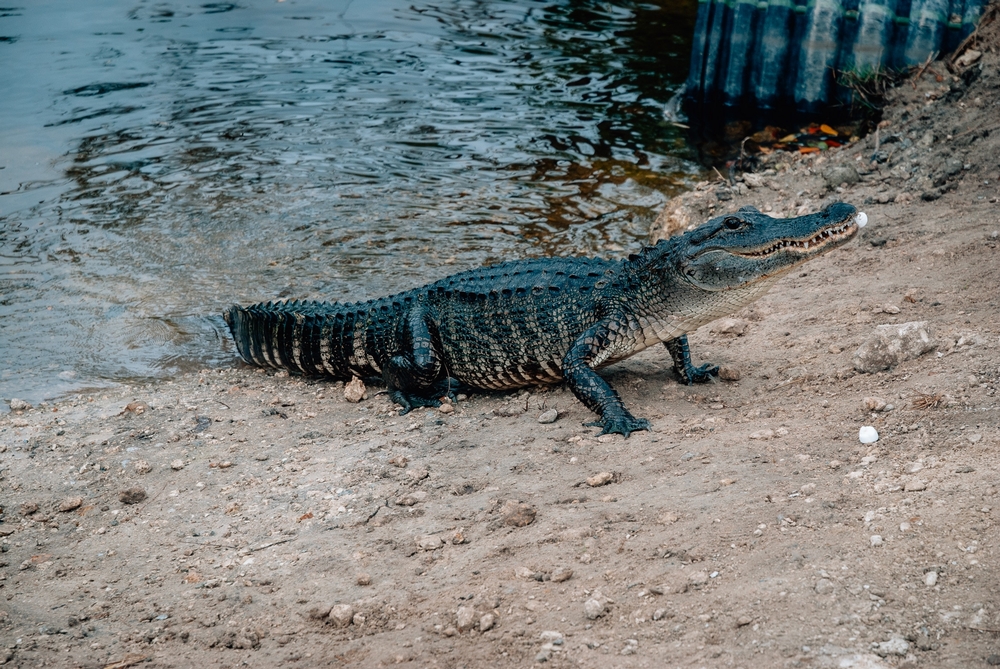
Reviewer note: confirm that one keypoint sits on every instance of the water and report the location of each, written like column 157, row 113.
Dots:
column 162, row 160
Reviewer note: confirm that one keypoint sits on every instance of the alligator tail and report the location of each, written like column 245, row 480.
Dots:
column 294, row 335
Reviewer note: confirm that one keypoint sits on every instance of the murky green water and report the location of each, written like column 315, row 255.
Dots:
column 161, row 160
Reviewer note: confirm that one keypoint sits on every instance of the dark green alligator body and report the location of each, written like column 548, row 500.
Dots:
column 543, row 321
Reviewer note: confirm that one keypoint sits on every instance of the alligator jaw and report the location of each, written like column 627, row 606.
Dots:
column 829, row 236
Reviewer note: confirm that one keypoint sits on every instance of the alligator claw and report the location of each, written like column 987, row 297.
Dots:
column 701, row 374
column 624, row 425
column 411, row 402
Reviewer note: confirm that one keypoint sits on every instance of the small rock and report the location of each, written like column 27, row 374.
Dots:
column 835, row 349
column 551, row 636
column 458, row 538
column 730, row 326
column 600, row 479
column 675, row 583
column 429, row 542
column 838, row 175
column 727, row 373
column 544, row 655
column 873, row 403
column 593, row 608
column 762, row 435
column 549, row 416
column 890, row 345
column 659, row 613
column 261, row 456
column 486, row 622
column 931, row 578
column 142, row 467
column 418, row 474
column 342, row 615
column 446, row 408
column 905, row 526
column 318, row 612
column 525, row 573
column 399, row 461
column 992, row 660
column 516, row 514
column 915, row 485
column 743, row 621
column 966, row 59
column 412, row 498
column 560, row 574
column 465, row 618
column 177, row 465
column 876, row 540
column 18, row 405
column 896, row 645
column 824, row 586
column 136, row 407
column 70, row 504
column 354, row 391
column 808, row 489
column 974, row 438
column 363, row 579
column 359, row 619
column 28, row 508
column 867, row 435
column 132, row 495
column 698, row 578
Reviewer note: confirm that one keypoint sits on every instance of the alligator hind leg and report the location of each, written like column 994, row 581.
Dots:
column 413, row 374
column 688, row 373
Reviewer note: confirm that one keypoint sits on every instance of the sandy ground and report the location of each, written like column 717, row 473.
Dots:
column 243, row 518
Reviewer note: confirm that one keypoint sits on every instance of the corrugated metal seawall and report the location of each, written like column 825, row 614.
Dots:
column 782, row 54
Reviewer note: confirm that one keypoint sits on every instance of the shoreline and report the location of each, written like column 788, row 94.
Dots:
column 239, row 516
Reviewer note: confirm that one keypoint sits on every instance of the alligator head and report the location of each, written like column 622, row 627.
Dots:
column 739, row 250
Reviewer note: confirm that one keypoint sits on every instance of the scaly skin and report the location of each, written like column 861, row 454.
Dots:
column 543, row 321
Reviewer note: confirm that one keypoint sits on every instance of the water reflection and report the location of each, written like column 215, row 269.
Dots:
column 165, row 160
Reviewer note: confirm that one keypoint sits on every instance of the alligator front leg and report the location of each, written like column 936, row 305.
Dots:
column 578, row 370
column 688, row 373
column 412, row 374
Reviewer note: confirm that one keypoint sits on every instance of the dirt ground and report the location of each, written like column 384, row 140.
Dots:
column 243, row 518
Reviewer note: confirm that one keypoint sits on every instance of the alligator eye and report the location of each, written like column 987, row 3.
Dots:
column 733, row 223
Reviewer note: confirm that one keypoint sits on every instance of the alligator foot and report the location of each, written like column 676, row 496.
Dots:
column 450, row 388
column 701, row 374
column 626, row 424
column 687, row 372
column 410, row 402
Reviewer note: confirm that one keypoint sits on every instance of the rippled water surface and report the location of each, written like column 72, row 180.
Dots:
column 161, row 160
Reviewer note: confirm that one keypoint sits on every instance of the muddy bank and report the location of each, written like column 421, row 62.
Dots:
column 239, row 517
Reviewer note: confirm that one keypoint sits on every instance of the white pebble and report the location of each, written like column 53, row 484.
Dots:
column 930, row 578
column 549, row 416
column 868, row 435
column 861, row 219
column 876, row 540
column 593, row 608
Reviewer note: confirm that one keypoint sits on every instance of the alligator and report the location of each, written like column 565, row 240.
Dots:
column 546, row 320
